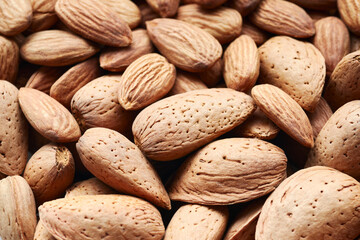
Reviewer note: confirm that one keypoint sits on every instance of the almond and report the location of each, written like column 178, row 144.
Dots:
column 116, row 161
column 92, row 186
column 49, row 172
column 126, row 10
column 102, row 216
column 229, row 171
column 43, row 15
column 283, row 18
column 41, row 233
column 206, row 3
column 258, row 35
column 348, row 10
column 241, row 64
column 313, row 203
column 118, row 59
column 284, row 112
column 337, row 144
column 56, row 48
column 95, row 21
column 175, row 126
column 333, row 40
column 198, row 222
column 343, row 85
column 44, row 78
column 18, row 214
column 9, row 58
column 186, row 82
column 316, row 4
column 186, row 46
column 13, row 132
column 165, row 8
column 145, row 81
column 48, row 116
column 65, row 87
column 296, row 67
column 223, row 23
column 320, row 116
column 147, row 13
column 245, row 7
column 213, row 75
column 15, row 16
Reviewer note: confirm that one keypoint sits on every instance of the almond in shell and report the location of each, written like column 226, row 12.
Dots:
column 91, row 186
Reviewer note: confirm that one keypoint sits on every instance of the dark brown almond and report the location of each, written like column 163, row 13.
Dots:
column 9, row 58
column 245, row 7
column 316, row 4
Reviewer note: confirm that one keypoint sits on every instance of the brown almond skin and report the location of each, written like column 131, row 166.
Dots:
column 147, row 13
column 18, row 210
column 354, row 43
column 65, row 87
column 315, row 203
column 244, row 7
column 337, row 143
column 44, row 78
column 145, row 81
column 116, row 161
column 175, row 126
column 93, row 217
column 283, row 18
column 49, row 172
column 91, row 186
column 165, row 8
column 41, row 233
column 194, row 221
column 316, row 4
column 258, row 35
column 320, row 116
column 206, row 3
column 56, row 48
column 13, row 132
column 118, row 59
column 348, row 10
column 9, row 58
column 15, row 16
column 284, row 112
column 127, row 10
column 223, row 23
column 283, row 61
column 48, row 116
column 241, row 64
column 248, row 168
column 333, row 40
column 186, row 82
column 184, row 45
column 213, row 75
column 95, row 21
column 343, row 85
column 44, row 15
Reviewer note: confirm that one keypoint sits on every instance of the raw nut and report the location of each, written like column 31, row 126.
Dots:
column 186, row 46
column 313, row 203
column 284, row 112
column 186, row 82
column 241, row 64
column 95, row 21
column 96, row 105
column 213, row 75
column 43, row 15
column 223, row 23
column 41, row 233
column 119, row 163
column 206, row 3
column 316, row 4
column 15, row 16
column 49, row 172
column 343, row 85
column 165, row 8
column 175, row 126
column 66, row 85
column 245, row 7
column 18, row 214
column 258, row 35
column 349, row 12
column 126, row 10
column 92, row 186
column 9, row 58
column 102, row 216
column 147, row 14
column 320, row 116
column 229, row 171
column 48, row 116
column 145, row 81
column 56, row 48
column 338, row 143
column 13, row 132
column 118, row 59
column 198, row 222
column 43, row 78
column 296, row 67
column 333, row 40
column 283, row 18
column 256, row 126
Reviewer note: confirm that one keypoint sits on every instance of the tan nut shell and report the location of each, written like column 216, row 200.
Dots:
column 91, row 186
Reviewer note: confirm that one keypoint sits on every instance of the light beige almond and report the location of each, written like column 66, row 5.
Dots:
column 56, row 48
column 165, row 8
column 258, row 35
column 145, row 81
column 296, row 67
column 44, row 78
column 186, row 46
column 229, row 171
column 13, row 132
column 15, row 16
column 118, row 59
column 186, row 82
column 241, row 64
column 283, row 18
column 244, row 7
column 18, row 210
column 92, row 186
column 66, row 85
column 175, row 126
column 43, row 15
column 102, row 216
column 198, row 222
column 9, row 58
column 349, row 12
column 316, row 4
column 223, row 23
column 284, row 112
column 48, row 116
column 41, row 233
column 213, row 75
column 126, row 10
column 320, row 116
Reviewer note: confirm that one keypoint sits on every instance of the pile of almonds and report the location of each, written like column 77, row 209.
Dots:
column 191, row 120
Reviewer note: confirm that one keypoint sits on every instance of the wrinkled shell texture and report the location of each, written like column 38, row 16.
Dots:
column 91, row 186
column 9, row 59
